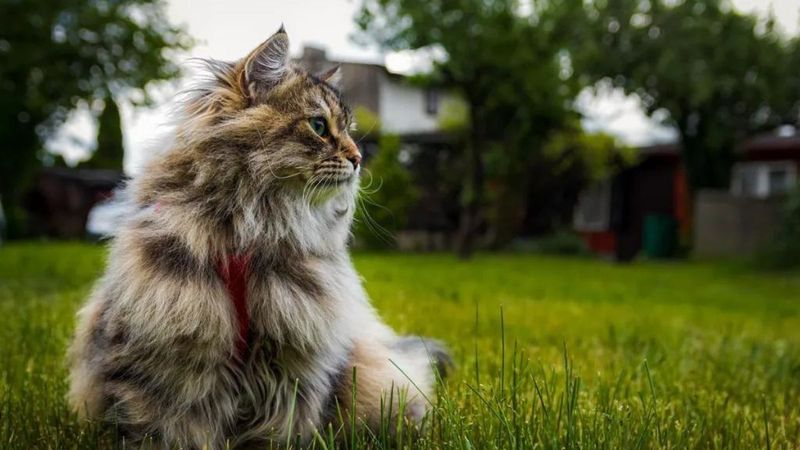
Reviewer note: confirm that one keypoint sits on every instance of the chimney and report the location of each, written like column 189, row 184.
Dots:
column 314, row 59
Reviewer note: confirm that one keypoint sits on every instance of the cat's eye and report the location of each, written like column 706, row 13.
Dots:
column 319, row 125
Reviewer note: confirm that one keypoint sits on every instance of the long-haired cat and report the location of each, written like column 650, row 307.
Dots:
column 230, row 312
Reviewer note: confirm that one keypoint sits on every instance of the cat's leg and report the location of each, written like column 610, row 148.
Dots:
column 102, row 386
column 166, row 397
column 159, row 390
column 399, row 378
column 86, row 390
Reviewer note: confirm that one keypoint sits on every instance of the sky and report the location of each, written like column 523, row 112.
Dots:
column 229, row 29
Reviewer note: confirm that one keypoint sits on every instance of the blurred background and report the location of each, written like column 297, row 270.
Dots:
column 616, row 128
column 619, row 179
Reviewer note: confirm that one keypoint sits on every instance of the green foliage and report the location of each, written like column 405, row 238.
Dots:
column 454, row 116
column 110, row 152
column 59, row 53
column 585, row 354
column 783, row 252
column 561, row 242
column 510, row 68
column 368, row 124
column 56, row 160
column 387, row 194
column 547, row 182
column 597, row 155
column 719, row 75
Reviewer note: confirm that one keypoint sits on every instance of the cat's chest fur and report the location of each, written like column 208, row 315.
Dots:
column 306, row 304
column 304, row 316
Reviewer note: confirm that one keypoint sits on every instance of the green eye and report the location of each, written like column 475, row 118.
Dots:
column 319, row 125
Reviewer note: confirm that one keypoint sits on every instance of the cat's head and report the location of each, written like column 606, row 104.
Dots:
column 276, row 122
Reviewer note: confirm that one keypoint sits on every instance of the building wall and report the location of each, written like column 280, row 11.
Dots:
column 726, row 225
column 360, row 85
column 403, row 109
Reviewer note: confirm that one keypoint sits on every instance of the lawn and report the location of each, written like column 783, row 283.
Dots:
column 551, row 352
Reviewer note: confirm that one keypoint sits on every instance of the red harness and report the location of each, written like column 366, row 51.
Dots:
column 233, row 272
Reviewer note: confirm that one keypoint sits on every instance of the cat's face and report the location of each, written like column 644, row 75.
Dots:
column 288, row 127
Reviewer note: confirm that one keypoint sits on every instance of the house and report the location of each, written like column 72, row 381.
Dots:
column 612, row 215
column 647, row 208
column 768, row 167
column 740, row 220
column 414, row 113
column 61, row 198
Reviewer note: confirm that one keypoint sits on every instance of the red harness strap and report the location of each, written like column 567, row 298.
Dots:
column 233, row 272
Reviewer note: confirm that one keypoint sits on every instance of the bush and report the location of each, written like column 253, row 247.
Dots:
column 387, row 194
column 563, row 242
column 784, row 250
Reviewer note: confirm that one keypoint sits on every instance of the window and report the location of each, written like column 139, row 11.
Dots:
column 779, row 181
column 593, row 211
column 432, row 101
column 763, row 179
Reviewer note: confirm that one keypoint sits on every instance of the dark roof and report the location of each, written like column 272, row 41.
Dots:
column 86, row 177
column 770, row 143
column 660, row 150
column 431, row 137
column 762, row 143
column 316, row 58
column 313, row 55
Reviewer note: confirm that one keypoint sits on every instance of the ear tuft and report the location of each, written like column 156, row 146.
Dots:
column 332, row 76
column 267, row 65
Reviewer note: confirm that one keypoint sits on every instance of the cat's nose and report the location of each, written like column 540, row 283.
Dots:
column 355, row 159
column 351, row 153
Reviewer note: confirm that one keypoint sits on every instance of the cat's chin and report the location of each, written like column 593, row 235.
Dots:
column 335, row 181
column 340, row 182
column 320, row 191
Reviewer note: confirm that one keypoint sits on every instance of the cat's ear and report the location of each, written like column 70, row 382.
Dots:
column 332, row 76
column 266, row 66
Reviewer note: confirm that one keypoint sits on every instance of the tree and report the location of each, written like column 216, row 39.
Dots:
column 597, row 156
column 59, row 53
column 509, row 66
column 719, row 75
column 110, row 151
column 388, row 193
column 569, row 161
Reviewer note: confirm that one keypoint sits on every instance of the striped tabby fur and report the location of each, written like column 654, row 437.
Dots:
column 154, row 351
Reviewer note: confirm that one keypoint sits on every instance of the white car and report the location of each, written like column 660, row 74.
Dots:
column 105, row 218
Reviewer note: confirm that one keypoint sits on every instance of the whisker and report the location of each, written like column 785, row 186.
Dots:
column 376, row 228
column 374, row 124
column 365, row 189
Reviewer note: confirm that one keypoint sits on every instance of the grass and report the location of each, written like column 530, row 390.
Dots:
column 552, row 353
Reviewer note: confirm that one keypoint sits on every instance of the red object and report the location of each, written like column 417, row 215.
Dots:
column 681, row 200
column 233, row 272
column 603, row 242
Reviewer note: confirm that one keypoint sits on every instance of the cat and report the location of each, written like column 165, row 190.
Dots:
column 230, row 312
